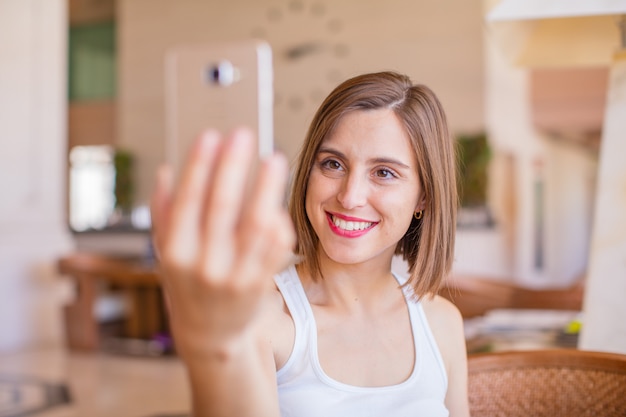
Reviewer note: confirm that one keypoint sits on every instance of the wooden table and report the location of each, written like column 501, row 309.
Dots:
column 137, row 278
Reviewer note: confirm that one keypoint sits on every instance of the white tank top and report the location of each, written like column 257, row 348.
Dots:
column 304, row 390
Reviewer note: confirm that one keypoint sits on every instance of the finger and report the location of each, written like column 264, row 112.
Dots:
column 224, row 202
column 269, row 190
column 223, row 205
column 265, row 224
column 269, row 252
column 183, row 229
column 160, row 205
column 279, row 251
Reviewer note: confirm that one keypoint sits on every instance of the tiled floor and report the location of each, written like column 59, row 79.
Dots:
column 100, row 384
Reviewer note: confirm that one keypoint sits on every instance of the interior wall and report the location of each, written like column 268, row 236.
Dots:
column 571, row 179
column 554, row 174
column 604, row 309
column 508, row 117
column 32, row 184
column 89, row 11
column 437, row 43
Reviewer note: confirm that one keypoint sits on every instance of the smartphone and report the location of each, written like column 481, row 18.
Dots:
column 220, row 85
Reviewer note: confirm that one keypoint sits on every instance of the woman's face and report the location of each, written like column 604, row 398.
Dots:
column 363, row 188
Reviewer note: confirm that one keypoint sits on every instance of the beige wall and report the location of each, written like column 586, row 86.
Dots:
column 32, row 171
column 89, row 11
column 604, row 327
column 436, row 42
column 549, row 232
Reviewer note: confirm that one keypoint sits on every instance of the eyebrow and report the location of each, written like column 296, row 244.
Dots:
column 380, row 160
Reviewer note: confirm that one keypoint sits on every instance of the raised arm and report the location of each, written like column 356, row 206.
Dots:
column 219, row 243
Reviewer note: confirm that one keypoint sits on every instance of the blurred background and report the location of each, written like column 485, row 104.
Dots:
column 82, row 113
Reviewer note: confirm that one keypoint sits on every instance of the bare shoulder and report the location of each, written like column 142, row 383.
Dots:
column 441, row 311
column 446, row 324
column 276, row 326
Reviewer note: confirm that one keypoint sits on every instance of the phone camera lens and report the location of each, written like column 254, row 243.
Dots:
column 223, row 74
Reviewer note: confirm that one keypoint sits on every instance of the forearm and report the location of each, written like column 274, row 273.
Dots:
column 219, row 246
column 237, row 381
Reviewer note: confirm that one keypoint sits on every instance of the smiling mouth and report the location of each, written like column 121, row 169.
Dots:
column 349, row 225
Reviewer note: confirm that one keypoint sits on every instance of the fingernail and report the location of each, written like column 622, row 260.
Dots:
column 164, row 175
column 209, row 140
column 279, row 163
column 241, row 138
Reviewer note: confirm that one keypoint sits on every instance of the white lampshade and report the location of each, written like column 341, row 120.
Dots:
column 557, row 33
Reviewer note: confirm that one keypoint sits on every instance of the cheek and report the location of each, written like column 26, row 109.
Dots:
column 319, row 188
column 400, row 210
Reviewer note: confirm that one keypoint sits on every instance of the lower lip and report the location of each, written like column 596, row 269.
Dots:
column 346, row 233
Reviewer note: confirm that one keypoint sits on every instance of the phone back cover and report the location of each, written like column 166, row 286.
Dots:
column 193, row 103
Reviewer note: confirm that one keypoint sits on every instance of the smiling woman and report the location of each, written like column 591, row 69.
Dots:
column 418, row 117
column 364, row 182
column 335, row 333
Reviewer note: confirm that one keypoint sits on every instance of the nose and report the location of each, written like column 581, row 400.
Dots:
column 353, row 192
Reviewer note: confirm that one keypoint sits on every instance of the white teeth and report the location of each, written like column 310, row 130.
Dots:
column 345, row 225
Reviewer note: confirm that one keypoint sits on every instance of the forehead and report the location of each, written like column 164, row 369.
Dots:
column 373, row 133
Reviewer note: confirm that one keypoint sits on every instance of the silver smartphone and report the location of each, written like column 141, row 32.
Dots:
column 220, row 85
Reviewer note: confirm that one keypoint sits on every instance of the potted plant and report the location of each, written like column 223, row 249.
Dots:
column 474, row 156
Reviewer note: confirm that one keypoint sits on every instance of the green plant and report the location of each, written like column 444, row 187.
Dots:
column 124, row 184
column 474, row 157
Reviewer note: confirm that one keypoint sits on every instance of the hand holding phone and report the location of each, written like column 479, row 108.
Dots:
column 219, row 240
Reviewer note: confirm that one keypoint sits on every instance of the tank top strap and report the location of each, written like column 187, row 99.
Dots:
column 423, row 337
column 292, row 291
column 290, row 287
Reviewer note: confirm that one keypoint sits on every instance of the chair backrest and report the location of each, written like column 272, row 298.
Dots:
column 475, row 296
column 550, row 383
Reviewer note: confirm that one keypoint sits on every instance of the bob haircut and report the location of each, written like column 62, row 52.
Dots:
column 428, row 244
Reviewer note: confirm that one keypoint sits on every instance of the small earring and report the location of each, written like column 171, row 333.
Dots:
column 418, row 215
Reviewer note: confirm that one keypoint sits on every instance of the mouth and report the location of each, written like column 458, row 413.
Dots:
column 349, row 224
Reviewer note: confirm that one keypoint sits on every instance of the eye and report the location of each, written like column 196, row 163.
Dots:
column 331, row 165
column 384, row 173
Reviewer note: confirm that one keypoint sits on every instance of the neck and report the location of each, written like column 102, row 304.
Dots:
column 350, row 287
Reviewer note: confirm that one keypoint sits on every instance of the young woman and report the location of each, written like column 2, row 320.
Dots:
column 335, row 333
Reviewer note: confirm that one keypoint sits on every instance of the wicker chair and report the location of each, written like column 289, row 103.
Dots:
column 548, row 383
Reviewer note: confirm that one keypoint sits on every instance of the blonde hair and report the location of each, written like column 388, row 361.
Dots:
column 428, row 245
